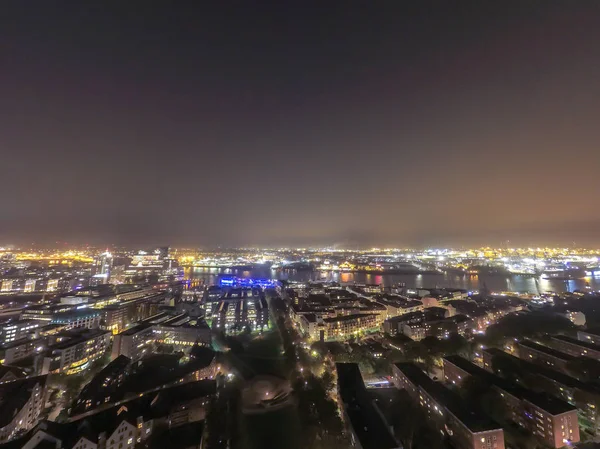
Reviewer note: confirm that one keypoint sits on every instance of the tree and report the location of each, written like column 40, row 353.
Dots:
column 317, row 411
column 328, row 380
column 456, row 344
column 528, row 325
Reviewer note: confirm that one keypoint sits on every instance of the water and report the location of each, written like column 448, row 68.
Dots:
column 493, row 283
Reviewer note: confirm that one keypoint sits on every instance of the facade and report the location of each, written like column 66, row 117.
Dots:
column 45, row 312
column 13, row 330
column 77, row 352
column 235, row 314
column 466, row 430
column 22, row 402
column 103, row 386
column 583, row 395
column 134, row 343
column 543, row 355
column 20, row 349
column 87, row 318
column 342, row 327
column 415, row 331
column 310, row 325
column 150, row 421
column 575, row 348
column 180, row 331
column 576, row 317
column 589, row 336
column 117, row 317
column 399, row 307
column 550, row 419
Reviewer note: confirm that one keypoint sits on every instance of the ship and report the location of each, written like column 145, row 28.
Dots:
column 563, row 274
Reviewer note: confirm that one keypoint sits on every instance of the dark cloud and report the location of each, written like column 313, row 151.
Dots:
column 406, row 123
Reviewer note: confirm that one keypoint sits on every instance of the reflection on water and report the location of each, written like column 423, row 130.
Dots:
column 493, row 283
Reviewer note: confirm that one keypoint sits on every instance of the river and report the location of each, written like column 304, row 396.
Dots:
column 493, row 283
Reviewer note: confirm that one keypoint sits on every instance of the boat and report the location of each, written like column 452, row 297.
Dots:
column 563, row 274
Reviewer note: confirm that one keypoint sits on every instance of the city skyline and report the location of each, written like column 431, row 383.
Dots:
column 398, row 124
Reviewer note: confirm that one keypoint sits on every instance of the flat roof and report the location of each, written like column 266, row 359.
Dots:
column 476, row 422
column 78, row 338
column 544, row 401
column 135, row 329
column 556, row 376
column 14, row 396
column 546, row 350
column 591, row 331
column 347, row 317
column 368, row 425
column 576, row 342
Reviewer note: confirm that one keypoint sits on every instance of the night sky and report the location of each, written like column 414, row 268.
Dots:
column 296, row 123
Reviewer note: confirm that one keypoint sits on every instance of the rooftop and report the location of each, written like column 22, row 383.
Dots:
column 556, row 376
column 78, row 337
column 476, row 422
column 574, row 341
column 14, row 396
column 546, row 350
column 370, row 429
column 544, row 401
column 347, row 317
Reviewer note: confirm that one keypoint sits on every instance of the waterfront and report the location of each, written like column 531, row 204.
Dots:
column 467, row 282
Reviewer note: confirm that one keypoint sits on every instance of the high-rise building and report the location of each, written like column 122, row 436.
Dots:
column 103, row 266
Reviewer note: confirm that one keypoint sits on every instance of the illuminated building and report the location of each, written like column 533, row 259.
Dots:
column 67, row 314
column 240, row 309
column 17, row 329
column 173, row 414
column 20, row 349
column 52, row 285
column 583, row 395
column 400, row 307
column 76, row 352
column 44, row 312
column 415, row 331
column 131, row 308
column 543, row 355
column 22, row 402
column 465, row 428
column 7, row 285
column 103, row 386
column 179, row 331
column 144, row 263
column 574, row 347
column 103, row 264
column 81, row 318
column 575, row 317
column 547, row 417
column 30, row 285
column 343, row 327
column 590, row 336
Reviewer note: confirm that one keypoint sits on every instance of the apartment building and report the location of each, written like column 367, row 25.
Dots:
column 574, row 347
column 76, row 352
column 583, row 395
column 22, row 402
column 550, row 419
column 590, row 336
column 543, row 355
column 465, row 428
column 342, row 327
